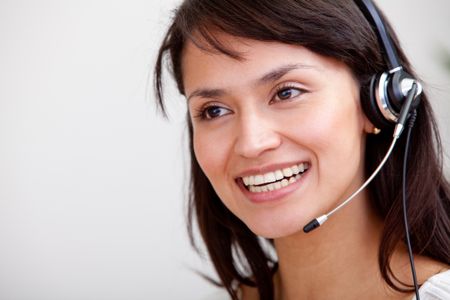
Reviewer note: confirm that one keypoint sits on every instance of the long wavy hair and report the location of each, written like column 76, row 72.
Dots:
column 335, row 29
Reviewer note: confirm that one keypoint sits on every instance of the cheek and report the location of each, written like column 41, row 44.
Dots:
column 339, row 122
column 211, row 154
column 325, row 127
column 203, row 154
column 339, row 146
column 334, row 133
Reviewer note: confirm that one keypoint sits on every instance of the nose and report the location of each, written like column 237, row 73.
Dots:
column 255, row 135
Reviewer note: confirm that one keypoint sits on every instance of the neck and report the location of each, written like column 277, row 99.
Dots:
column 339, row 260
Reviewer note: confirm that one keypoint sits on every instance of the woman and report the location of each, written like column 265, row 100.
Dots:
column 278, row 136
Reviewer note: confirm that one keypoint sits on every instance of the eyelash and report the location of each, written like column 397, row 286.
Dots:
column 285, row 87
column 202, row 112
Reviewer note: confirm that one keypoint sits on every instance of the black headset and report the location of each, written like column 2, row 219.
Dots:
column 393, row 94
column 388, row 89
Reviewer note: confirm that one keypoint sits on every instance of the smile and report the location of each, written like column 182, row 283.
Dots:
column 275, row 180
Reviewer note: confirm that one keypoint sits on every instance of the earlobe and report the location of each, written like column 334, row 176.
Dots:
column 376, row 130
column 369, row 127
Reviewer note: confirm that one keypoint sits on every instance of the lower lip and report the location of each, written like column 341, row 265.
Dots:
column 275, row 195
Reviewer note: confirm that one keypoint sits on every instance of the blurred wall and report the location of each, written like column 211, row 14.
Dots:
column 91, row 177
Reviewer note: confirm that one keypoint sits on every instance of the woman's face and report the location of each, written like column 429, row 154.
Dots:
column 279, row 133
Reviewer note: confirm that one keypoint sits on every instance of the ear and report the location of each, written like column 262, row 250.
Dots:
column 368, row 126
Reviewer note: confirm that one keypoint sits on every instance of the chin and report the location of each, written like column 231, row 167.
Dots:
column 273, row 229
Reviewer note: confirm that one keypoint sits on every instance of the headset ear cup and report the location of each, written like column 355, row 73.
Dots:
column 370, row 105
column 396, row 93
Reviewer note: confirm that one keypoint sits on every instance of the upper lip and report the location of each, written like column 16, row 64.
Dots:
column 261, row 170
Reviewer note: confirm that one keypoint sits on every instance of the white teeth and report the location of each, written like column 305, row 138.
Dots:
column 277, row 185
column 273, row 186
column 255, row 189
column 272, row 177
column 301, row 167
column 287, row 172
column 279, row 175
column 259, row 179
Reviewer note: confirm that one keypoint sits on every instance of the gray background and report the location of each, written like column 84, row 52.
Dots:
column 91, row 178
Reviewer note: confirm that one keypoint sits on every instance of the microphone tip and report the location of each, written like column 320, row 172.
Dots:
column 313, row 224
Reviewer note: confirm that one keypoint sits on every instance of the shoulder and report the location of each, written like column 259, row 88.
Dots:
column 437, row 287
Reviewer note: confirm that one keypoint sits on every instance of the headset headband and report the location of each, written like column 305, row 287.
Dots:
column 372, row 15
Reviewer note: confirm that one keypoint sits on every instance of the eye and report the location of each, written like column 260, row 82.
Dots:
column 212, row 112
column 284, row 93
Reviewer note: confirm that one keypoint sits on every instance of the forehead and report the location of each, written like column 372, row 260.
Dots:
column 203, row 65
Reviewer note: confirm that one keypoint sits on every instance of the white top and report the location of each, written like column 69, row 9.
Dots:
column 437, row 287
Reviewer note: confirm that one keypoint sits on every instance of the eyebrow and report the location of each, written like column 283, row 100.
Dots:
column 281, row 71
column 271, row 76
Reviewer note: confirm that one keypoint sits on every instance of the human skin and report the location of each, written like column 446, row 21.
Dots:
column 277, row 106
column 321, row 124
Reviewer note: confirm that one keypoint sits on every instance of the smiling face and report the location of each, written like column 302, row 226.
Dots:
column 279, row 133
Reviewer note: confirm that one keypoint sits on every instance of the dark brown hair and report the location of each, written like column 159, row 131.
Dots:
column 335, row 29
